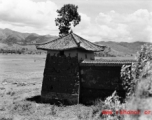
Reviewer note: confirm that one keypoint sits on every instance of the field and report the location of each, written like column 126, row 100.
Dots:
column 20, row 88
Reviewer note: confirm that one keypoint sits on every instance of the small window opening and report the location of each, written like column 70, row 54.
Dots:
column 86, row 56
column 61, row 53
column 51, row 87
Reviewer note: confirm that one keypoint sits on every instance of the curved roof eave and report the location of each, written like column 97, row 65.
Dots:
column 73, row 41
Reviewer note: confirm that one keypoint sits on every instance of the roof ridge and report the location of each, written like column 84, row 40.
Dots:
column 104, row 62
column 89, row 41
column 78, row 44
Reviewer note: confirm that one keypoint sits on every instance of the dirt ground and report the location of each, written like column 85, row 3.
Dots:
column 20, row 81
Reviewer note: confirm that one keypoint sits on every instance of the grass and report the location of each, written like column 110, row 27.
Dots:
column 20, row 83
column 21, row 79
column 34, row 111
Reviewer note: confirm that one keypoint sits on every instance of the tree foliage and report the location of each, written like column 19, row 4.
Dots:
column 67, row 16
column 132, row 74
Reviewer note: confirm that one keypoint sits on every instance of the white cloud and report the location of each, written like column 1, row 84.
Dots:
column 120, row 27
column 28, row 14
column 39, row 17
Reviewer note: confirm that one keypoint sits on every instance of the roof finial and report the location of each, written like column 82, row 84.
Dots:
column 71, row 31
column 79, row 43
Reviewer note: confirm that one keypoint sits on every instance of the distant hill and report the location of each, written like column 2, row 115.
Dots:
column 123, row 48
column 134, row 46
column 13, row 40
column 11, row 37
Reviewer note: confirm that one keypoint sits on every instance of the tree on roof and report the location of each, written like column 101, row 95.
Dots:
column 67, row 16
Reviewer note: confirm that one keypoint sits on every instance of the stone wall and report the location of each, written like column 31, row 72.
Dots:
column 65, row 80
column 61, row 79
column 99, row 82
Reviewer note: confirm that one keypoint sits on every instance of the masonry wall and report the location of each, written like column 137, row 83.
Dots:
column 61, row 78
column 61, row 75
column 99, row 82
column 65, row 80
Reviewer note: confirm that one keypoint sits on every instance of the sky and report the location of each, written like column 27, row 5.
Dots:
column 101, row 20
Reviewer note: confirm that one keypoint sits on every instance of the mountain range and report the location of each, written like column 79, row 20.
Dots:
column 123, row 48
column 10, row 38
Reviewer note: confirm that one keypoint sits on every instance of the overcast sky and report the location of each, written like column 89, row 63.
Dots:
column 101, row 20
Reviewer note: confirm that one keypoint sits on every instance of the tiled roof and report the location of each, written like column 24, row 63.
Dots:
column 111, row 61
column 69, row 42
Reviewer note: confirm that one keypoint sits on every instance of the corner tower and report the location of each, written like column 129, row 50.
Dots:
column 61, row 78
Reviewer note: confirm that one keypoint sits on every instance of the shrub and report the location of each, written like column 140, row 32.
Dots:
column 111, row 103
column 138, row 81
column 141, row 100
column 132, row 74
